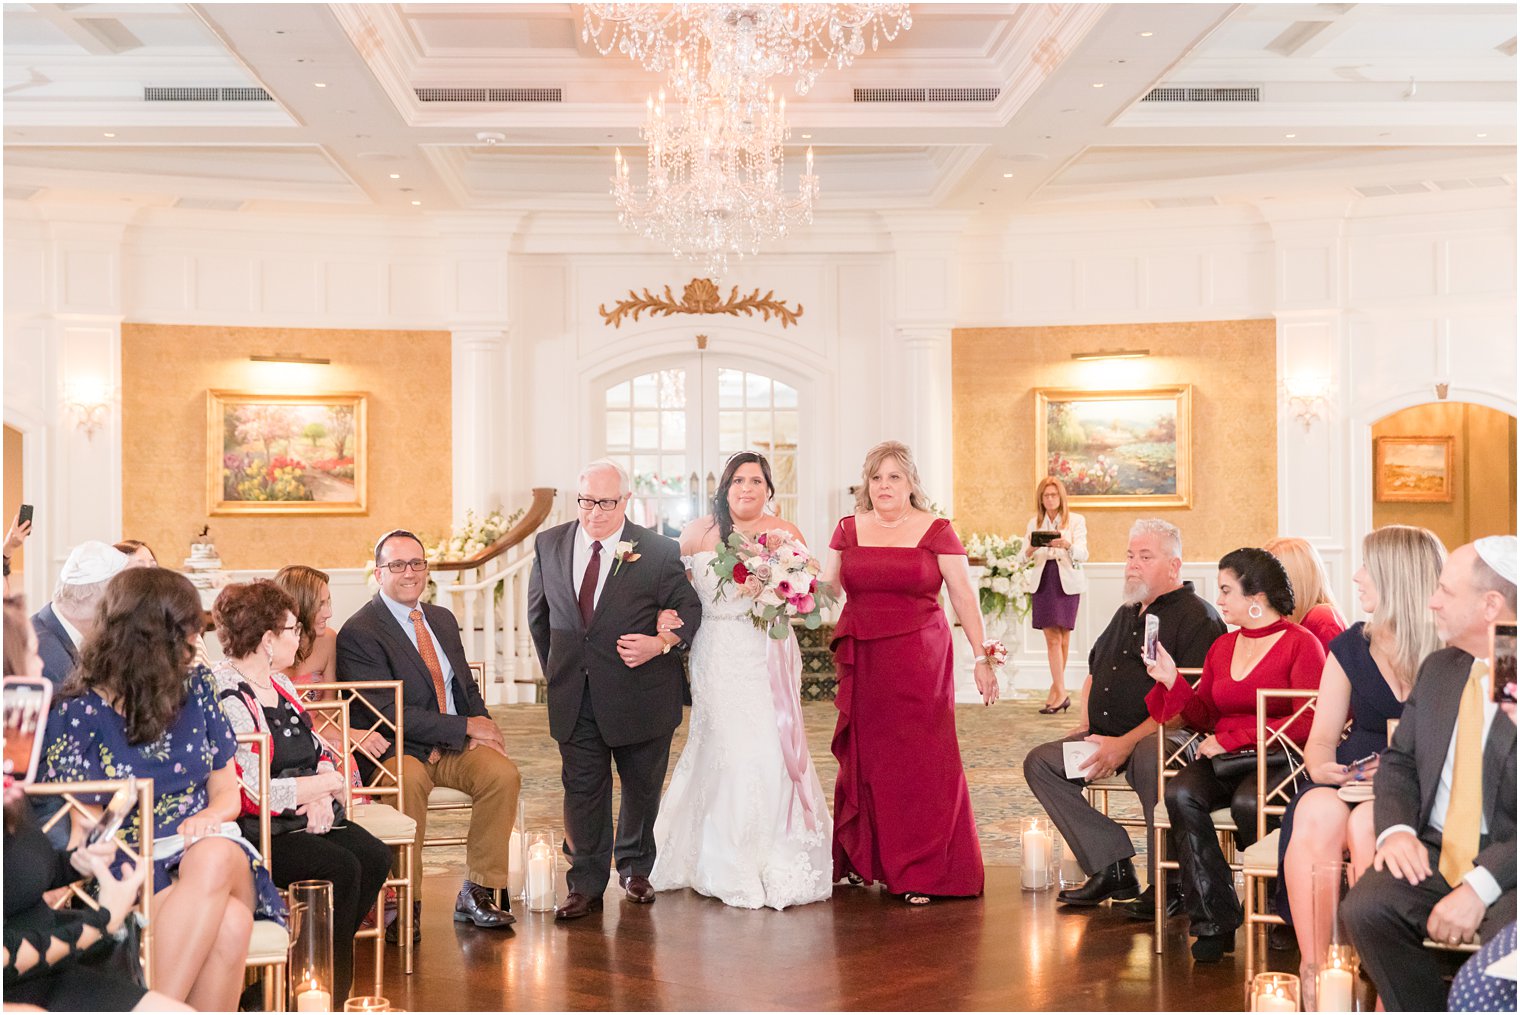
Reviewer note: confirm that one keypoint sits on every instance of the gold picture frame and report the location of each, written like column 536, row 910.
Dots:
column 1412, row 470
column 285, row 454
column 1119, row 448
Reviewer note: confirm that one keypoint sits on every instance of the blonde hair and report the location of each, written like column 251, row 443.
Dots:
column 880, row 453
column 1306, row 570
column 304, row 585
column 1039, row 500
column 1404, row 563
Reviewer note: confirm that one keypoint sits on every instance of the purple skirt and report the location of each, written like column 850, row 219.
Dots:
column 1051, row 606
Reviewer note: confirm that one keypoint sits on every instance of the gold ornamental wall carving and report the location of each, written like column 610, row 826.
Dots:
column 700, row 297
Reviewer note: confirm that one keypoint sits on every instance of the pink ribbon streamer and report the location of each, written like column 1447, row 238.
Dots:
column 786, row 693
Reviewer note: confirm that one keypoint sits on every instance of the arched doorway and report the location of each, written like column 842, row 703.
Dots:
column 1447, row 466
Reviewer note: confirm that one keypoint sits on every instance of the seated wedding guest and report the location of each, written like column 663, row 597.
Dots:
column 316, row 658
column 1445, row 804
column 260, row 634
column 1476, row 989
column 139, row 554
column 1114, row 717
column 1062, row 581
column 451, row 739
column 63, row 624
column 1368, row 674
column 1268, row 651
column 13, row 541
column 136, row 707
column 1314, row 606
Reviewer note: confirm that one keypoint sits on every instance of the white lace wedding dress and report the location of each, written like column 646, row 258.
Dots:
column 732, row 824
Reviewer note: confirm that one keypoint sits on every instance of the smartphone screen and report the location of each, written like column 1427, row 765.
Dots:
column 1501, row 662
column 1152, row 637
column 26, row 707
column 121, row 804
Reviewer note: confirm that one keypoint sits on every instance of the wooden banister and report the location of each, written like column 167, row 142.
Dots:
column 543, row 503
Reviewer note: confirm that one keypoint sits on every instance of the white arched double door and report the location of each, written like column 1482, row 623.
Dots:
column 674, row 423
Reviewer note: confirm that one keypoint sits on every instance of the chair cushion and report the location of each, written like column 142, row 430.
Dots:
column 1112, row 782
column 1222, row 818
column 442, row 796
column 1261, row 856
column 385, row 823
column 269, row 943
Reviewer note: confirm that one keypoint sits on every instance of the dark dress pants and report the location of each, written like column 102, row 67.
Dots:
column 1208, row 884
column 586, row 770
column 356, row 863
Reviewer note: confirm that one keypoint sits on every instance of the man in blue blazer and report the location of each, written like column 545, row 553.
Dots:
column 63, row 624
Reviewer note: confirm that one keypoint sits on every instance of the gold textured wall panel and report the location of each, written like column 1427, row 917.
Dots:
column 1483, row 471
column 166, row 371
column 1232, row 368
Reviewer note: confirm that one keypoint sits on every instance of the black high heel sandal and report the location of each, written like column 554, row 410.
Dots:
column 1053, row 709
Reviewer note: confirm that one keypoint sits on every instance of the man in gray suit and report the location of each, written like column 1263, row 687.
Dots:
column 595, row 595
column 1445, row 804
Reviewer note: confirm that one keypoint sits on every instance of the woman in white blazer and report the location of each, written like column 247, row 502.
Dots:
column 1062, row 581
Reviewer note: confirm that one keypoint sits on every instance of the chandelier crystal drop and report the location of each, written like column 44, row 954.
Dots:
column 755, row 41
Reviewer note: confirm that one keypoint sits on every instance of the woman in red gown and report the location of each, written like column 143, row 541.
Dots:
column 902, row 813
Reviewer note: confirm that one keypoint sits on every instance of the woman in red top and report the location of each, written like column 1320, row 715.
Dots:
column 1314, row 606
column 902, row 812
column 1268, row 651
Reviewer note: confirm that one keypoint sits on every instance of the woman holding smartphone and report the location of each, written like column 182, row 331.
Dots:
column 1062, row 534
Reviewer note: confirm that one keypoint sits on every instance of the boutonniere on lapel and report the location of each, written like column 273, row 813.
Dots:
column 624, row 554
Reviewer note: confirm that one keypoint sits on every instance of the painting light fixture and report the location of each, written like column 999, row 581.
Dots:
column 1085, row 357
column 290, row 357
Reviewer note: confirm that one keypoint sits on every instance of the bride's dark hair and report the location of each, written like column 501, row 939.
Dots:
column 721, row 513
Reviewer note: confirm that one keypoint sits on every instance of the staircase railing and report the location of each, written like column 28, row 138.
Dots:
column 488, row 593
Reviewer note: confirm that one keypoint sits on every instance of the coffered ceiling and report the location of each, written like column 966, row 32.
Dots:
column 366, row 107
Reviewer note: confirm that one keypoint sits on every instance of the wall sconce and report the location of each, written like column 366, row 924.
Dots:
column 1307, row 400
column 88, row 405
column 1111, row 354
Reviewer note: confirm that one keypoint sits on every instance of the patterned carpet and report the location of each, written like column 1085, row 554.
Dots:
column 993, row 744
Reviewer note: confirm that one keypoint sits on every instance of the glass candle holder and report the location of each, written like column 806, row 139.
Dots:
column 542, row 875
column 1329, row 943
column 1272, row 992
column 367, row 1004
column 1038, row 853
column 310, row 963
column 517, row 856
column 1335, row 980
column 1068, row 873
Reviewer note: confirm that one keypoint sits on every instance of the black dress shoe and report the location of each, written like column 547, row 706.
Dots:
column 1281, row 938
column 393, row 932
column 1212, row 947
column 1144, row 908
column 1116, row 881
column 637, row 888
column 576, row 906
column 477, row 905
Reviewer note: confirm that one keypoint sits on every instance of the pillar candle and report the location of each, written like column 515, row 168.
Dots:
column 1274, row 1002
column 1036, row 859
column 1335, row 990
column 313, row 999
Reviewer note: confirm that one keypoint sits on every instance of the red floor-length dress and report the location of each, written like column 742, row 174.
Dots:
column 902, row 813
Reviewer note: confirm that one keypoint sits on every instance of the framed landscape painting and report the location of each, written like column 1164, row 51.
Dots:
column 1412, row 469
column 1117, row 448
column 285, row 454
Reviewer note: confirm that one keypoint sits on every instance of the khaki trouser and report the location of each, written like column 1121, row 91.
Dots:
column 493, row 782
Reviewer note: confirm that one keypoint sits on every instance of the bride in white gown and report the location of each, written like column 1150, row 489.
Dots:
column 734, row 824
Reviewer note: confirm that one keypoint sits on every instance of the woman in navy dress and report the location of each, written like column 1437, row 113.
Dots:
column 1368, row 674
column 136, row 707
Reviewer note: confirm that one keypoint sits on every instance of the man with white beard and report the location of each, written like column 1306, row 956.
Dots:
column 1115, row 719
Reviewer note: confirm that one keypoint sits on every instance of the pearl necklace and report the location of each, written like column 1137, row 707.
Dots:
column 890, row 525
column 268, row 684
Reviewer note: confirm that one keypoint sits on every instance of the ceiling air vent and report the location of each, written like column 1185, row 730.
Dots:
column 927, row 94
column 489, row 94
column 205, row 94
column 1172, row 93
column 209, row 204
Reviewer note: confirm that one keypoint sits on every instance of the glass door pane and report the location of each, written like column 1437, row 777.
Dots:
column 759, row 413
column 645, row 430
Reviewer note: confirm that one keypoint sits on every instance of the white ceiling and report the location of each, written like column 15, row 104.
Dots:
column 1354, row 99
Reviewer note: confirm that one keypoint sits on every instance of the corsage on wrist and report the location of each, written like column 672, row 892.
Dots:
column 993, row 653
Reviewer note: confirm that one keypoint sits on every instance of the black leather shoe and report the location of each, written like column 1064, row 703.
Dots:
column 576, row 906
column 393, row 932
column 1281, row 938
column 1144, row 908
column 1213, row 947
column 477, row 905
column 637, row 888
column 1116, row 881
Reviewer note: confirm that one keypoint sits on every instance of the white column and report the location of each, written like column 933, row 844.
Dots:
column 926, row 407
column 481, row 397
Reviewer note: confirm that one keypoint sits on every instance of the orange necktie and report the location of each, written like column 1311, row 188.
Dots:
column 1461, row 833
column 429, row 658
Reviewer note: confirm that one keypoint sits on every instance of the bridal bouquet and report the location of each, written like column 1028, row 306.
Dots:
column 779, row 574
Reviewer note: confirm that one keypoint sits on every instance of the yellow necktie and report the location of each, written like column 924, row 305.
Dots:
column 1464, row 814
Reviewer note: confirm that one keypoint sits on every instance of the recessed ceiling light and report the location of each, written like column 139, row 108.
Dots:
column 1290, row 135
column 807, row 137
column 1483, row 135
column 416, row 202
column 109, row 134
column 320, row 84
column 1097, row 84
column 1146, row 35
column 1007, row 176
column 395, row 176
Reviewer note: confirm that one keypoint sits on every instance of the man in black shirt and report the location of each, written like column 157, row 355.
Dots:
column 1115, row 717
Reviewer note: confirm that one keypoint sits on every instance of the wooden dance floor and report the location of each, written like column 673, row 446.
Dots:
column 1007, row 950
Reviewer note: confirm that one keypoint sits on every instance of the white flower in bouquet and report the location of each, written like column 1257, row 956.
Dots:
column 769, row 596
column 1002, row 585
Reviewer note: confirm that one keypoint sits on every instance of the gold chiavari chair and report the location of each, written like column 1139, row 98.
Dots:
column 269, row 944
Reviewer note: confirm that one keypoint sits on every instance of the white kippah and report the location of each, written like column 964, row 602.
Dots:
column 1498, row 552
column 90, row 562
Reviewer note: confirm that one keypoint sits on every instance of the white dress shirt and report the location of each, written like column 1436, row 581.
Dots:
column 69, row 629
column 581, row 559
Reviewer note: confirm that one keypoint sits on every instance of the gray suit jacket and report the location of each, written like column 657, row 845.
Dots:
column 1410, row 770
column 630, row 705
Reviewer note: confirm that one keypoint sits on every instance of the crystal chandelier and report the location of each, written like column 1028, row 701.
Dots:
column 758, row 41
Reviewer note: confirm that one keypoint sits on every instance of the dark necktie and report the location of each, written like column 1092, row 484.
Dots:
column 588, row 584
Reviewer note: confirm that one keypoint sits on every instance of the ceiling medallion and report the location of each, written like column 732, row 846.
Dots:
column 700, row 297
column 715, row 154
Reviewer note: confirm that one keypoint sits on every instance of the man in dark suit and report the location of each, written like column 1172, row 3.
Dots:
column 1445, row 803
column 451, row 740
column 594, row 598
column 63, row 624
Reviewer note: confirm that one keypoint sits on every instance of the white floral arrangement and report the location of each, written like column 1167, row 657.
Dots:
column 1008, row 576
column 474, row 536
